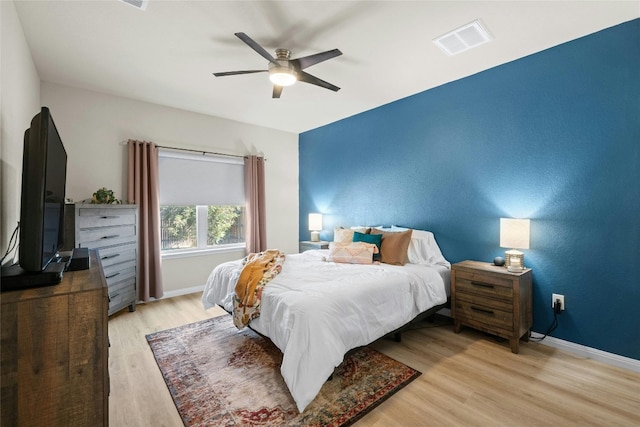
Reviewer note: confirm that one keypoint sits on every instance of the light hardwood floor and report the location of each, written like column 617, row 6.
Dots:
column 468, row 379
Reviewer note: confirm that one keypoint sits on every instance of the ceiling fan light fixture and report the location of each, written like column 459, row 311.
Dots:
column 282, row 76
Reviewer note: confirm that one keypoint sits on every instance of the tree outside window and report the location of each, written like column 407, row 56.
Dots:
column 199, row 227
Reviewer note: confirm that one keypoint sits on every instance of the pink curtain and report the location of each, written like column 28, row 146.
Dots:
column 256, row 231
column 143, row 190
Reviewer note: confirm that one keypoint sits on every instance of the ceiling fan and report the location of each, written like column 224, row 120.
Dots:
column 284, row 71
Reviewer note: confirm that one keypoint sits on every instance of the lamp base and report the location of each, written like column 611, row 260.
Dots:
column 315, row 236
column 514, row 261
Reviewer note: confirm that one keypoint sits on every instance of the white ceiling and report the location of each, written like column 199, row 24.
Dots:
column 166, row 55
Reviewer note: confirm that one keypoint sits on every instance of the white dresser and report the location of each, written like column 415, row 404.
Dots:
column 113, row 230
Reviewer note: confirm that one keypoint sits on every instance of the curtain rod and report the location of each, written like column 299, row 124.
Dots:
column 197, row 151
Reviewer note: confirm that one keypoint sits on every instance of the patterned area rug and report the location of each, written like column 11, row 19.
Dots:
column 220, row 376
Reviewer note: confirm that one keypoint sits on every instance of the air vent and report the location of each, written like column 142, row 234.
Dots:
column 138, row 4
column 463, row 38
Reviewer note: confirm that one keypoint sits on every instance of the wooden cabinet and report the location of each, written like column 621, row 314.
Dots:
column 54, row 352
column 113, row 229
column 491, row 299
column 308, row 245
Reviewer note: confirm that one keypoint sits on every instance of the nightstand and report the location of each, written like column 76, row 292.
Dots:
column 491, row 299
column 308, row 245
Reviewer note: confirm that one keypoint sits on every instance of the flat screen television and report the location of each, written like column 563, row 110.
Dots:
column 44, row 175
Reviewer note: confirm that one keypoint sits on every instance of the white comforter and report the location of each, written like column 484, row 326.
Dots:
column 315, row 311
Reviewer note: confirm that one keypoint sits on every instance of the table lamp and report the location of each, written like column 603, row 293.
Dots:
column 514, row 234
column 315, row 225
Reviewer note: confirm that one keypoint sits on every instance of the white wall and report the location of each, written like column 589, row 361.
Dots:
column 19, row 102
column 92, row 126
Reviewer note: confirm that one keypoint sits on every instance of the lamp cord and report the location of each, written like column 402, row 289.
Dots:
column 12, row 243
column 551, row 328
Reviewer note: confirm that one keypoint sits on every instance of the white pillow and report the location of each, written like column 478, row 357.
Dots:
column 423, row 248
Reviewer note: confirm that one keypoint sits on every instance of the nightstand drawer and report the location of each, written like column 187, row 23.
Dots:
column 480, row 300
column 481, row 284
column 470, row 313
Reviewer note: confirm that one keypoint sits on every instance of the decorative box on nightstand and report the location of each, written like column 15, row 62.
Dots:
column 492, row 299
column 308, row 245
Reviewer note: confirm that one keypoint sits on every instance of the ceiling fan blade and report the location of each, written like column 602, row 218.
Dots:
column 233, row 73
column 255, row 46
column 277, row 90
column 307, row 61
column 308, row 78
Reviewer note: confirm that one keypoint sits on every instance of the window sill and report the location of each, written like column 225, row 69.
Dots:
column 188, row 253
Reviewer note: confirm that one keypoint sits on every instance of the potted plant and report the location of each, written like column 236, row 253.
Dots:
column 104, row 196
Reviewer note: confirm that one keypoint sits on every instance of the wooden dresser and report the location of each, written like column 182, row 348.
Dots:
column 54, row 352
column 113, row 229
column 491, row 299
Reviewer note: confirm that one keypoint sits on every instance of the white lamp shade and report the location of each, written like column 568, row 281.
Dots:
column 514, row 233
column 315, row 222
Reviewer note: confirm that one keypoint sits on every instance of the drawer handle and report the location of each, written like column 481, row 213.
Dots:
column 109, row 216
column 110, row 256
column 112, row 275
column 111, row 237
column 483, row 285
column 482, row 310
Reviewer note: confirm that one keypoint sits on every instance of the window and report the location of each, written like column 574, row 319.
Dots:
column 201, row 202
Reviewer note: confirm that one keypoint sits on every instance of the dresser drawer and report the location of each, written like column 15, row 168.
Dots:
column 482, row 284
column 104, row 217
column 116, row 254
column 110, row 270
column 121, row 299
column 119, row 275
column 126, row 284
column 106, row 236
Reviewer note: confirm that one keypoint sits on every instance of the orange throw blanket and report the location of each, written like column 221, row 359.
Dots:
column 258, row 270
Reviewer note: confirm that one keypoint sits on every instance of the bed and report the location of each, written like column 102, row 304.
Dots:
column 316, row 310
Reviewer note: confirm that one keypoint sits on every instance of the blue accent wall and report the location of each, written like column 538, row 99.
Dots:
column 554, row 137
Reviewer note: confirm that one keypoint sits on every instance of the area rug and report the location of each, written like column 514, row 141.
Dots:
column 220, row 376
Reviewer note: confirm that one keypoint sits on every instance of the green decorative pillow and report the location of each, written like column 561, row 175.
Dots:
column 376, row 239
column 394, row 246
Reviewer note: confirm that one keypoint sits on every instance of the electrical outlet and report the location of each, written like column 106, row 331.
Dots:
column 555, row 297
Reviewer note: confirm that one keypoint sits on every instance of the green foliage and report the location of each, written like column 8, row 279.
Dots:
column 221, row 219
column 179, row 226
column 104, row 196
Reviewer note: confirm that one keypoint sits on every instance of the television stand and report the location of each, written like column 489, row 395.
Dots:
column 15, row 277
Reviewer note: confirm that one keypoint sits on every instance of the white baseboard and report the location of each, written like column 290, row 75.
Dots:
column 582, row 350
column 592, row 353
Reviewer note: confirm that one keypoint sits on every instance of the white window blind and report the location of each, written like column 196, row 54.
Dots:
column 188, row 179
